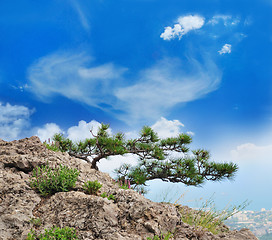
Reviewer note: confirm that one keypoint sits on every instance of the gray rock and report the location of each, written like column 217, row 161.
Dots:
column 130, row 216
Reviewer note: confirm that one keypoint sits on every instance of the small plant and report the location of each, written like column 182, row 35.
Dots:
column 104, row 195
column 110, row 197
column 52, row 145
column 92, row 187
column 36, row 222
column 54, row 233
column 48, row 181
column 166, row 236
column 125, row 184
column 208, row 217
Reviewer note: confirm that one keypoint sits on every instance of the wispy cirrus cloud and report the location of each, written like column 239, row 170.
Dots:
column 14, row 120
column 184, row 25
column 165, row 84
column 227, row 20
column 75, row 76
column 157, row 88
column 82, row 16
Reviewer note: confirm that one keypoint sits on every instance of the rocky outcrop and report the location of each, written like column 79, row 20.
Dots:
column 130, row 216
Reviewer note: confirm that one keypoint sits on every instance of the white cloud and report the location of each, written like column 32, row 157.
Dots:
column 48, row 131
column 156, row 91
column 164, row 85
column 227, row 20
column 225, row 49
column 82, row 130
column 14, row 120
column 184, row 25
column 190, row 22
column 167, row 128
column 114, row 162
column 249, row 152
column 68, row 74
column 190, row 133
column 75, row 133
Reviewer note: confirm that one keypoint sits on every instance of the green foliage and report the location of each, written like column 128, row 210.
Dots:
column 166, row 236
column 36, row 222
column 64, row 144
column 104, row 195
column 110, row 197
column 92, row 187
column 54, row 233
column 124, row 184
column 52, row 147
column 48, row 181
column 208, row 217
column 191, row 168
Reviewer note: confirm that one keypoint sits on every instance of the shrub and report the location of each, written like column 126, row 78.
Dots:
column 92, row 187
column 48, row 181
column 54, row 233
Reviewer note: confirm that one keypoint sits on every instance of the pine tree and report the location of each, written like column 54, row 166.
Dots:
column 193, row 168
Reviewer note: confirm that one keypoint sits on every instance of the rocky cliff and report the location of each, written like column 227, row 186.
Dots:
column 130, row 216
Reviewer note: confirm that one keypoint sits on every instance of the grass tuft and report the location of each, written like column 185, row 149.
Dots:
column 48, row 181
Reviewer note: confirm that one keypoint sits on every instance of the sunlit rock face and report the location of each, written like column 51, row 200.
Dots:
column 129, row 216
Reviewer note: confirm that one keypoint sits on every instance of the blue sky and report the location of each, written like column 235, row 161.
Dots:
column 192, row 66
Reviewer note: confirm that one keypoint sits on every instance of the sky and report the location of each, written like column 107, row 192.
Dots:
column 200, row 67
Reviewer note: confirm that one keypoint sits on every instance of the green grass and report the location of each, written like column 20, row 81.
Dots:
column 48, row 181
column 52, row 147
column 165, row 236
column 110, row 197
column 92, row 187
column 208, row 217
column 54, row 233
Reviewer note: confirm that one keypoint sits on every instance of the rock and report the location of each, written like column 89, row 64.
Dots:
column 129, row 216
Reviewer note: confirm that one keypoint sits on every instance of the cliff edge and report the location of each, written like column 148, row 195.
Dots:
column 129, row 217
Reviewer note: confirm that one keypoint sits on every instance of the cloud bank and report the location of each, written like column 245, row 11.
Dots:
column 185, row 24
column 14, row 120
column 47, row 131
column 75, row 133
column 250, row 152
